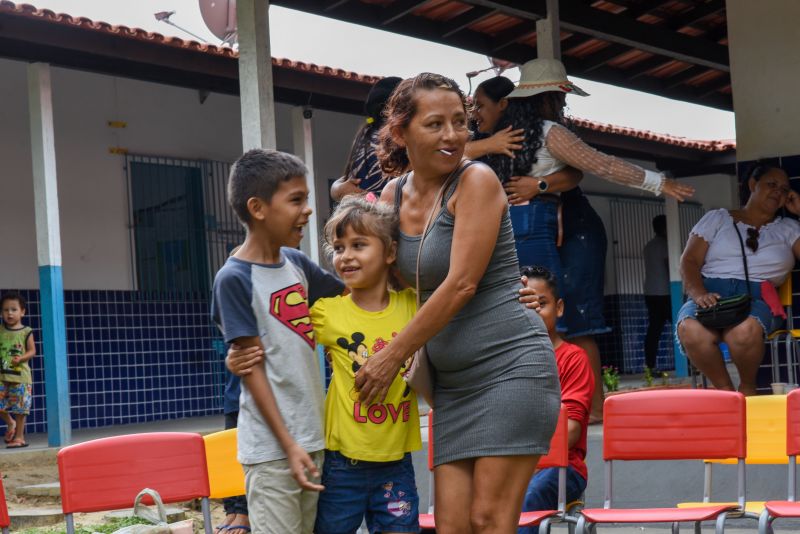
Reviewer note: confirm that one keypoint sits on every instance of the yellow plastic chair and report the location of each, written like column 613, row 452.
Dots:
column 766, row 444
column 225, row 473
column 789, row 336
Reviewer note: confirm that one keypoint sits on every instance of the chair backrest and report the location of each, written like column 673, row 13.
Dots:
column 793, row 423
column 680, row 424
column 559, row 444
column 5, row 522
column 766, row 431
column 225, row 473
column 108, row 473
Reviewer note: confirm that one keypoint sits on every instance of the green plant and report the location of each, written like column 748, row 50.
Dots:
column 611, row 377
column 648, row 376
column 108, row 527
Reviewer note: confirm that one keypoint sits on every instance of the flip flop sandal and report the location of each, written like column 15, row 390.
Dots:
column 16, row 444
column 238, row 527
column 9, row 435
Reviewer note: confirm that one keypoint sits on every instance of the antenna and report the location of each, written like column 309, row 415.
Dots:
column 163, row 16
column 220, row 18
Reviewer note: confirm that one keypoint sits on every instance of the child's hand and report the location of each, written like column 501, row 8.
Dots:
column 241, row 361
column 16, row 359
column 528, row 296
column 301, row 466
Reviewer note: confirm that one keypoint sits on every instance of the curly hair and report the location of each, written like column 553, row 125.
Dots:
column 528, row 113
column 401, row 109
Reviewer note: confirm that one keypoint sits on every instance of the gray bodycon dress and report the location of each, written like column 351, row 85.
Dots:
column 496, row 388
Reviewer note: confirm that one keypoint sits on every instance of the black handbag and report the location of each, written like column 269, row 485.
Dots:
column 730, row 311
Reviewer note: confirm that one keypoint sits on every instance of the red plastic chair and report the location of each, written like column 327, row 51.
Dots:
column 5, row 521
column 557, row 457
column 108, row 473
column 691, row 424
column 788, row 508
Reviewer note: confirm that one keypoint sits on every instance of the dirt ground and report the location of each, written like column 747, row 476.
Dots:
column 21, row 470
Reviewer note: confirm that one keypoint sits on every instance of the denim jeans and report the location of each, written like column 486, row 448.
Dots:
column 542, row 493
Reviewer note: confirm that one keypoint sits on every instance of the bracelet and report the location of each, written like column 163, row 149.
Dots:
column 653, row 182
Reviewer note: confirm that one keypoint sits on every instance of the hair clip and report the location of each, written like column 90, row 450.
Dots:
column 370, row 120
column 371, row 197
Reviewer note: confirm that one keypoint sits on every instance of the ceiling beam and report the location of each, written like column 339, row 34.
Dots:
column 512, row 35
column 466, row 19
column 577, row 17
column 400, row 9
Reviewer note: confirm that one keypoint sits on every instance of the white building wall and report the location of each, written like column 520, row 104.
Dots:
column 161, row 120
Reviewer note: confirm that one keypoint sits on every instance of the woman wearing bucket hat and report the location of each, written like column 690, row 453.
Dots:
column 536, row 175
column 362, row 173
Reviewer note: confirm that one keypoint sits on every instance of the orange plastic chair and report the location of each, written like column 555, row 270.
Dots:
column 557, row 457
column 789, row 336
column 790, row 507
column 225, row 473
column 108, row 473
column 5, row 521
column 690, row 424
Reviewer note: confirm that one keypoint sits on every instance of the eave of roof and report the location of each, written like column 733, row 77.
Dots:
column 309, row 72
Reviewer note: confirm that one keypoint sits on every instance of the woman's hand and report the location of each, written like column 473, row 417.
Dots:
column 793, row 203
column 241, row 361
column 677, row 190
column 505, row 141
column 521, row 189
column 528, row 296
column 376, row 375
column 706, row 300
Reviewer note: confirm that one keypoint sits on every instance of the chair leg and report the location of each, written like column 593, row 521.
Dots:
column 206, row 507
column 5, row 530
column 580, row 527
column 70, row 523
column 764, row 523
column 544, row 526
column 676, row 527
column 698, row 527
column 721, row 518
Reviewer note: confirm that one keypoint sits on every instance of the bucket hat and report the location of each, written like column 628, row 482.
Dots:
column 541, row 75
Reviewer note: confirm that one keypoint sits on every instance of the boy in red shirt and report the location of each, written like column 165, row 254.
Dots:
column 577, row 386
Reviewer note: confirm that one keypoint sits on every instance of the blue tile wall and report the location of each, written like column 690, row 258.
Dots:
column 623, row 347
column 133, row 357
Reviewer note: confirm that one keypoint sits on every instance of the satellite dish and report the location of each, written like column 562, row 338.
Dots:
column 220, row 18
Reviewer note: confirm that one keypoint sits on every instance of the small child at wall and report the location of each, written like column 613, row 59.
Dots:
column 16, row 349
column 261, row 298
column 577, row 386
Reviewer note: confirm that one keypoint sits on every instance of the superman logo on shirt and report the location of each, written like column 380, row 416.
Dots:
column 290, row 307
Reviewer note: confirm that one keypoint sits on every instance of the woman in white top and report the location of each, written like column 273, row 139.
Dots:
column 712, row 268
column 548, row 164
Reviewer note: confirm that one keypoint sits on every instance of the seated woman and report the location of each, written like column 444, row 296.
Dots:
column 712, row 268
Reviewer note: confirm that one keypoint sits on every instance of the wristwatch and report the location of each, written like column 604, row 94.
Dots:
column 543, row 186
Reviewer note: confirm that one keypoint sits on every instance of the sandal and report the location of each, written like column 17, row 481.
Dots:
column 16, row 444
column 224, row 526
column 11, row 431
column 244, row 528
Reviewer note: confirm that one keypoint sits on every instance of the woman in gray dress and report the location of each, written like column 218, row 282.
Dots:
column 496, row 388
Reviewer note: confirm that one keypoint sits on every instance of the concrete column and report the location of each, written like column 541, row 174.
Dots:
column 256, row 95
column 302, row 139
column 671, row 208
column 48, row 245
column 765, row 70
column 548, row 33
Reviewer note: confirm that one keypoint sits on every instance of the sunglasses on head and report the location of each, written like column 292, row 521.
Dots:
column 752, row 239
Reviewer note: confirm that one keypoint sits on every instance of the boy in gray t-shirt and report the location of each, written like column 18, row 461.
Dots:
column 261, row 298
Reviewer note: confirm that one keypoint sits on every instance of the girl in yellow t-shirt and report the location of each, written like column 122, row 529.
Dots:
column 367, row 471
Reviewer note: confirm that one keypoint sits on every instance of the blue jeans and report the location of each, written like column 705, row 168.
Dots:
column 383, row 492
column 542, row 492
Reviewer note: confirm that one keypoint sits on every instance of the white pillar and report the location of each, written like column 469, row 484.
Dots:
column 302, row 138
column 48, row 246
column 548, row 33
column 671, row 209
column 256, row 95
